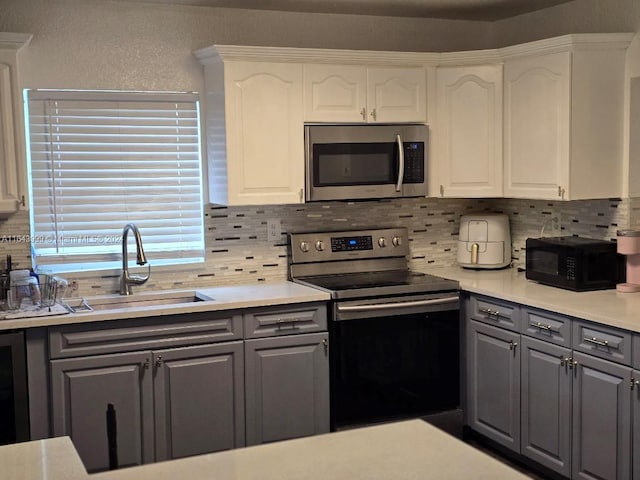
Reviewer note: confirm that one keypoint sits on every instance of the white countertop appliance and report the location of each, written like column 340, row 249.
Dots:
column 484, row 241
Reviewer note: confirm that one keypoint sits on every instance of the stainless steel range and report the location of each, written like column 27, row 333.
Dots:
column 394, row 333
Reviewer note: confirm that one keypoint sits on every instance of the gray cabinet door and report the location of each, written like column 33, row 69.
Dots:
column 601, row 419
column 635, row 399
column 493, row 383
column 81, row 390
column 287, row 387
column 199, row 399
column 546, row 404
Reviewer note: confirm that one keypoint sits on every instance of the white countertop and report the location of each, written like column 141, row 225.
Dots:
column 608, row 307
column 411, row 450
column 215, row 298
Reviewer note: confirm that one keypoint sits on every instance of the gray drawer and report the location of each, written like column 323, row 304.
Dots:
column 546, row 326
column 144, row 333
column 494, row 312
column 283, row 320
column 602, row 341
column 636, row 351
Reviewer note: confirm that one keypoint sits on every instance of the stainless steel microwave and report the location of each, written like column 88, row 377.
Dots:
column 351, row 162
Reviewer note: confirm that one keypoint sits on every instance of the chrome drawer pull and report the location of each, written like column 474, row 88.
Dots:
column 596, row 341
column 542, row 326
column 491, row 313
column 288, row 324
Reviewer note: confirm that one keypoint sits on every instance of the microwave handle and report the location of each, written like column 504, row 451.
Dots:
column 401, row 163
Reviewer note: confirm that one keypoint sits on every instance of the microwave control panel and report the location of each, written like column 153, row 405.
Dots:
column 413, row 162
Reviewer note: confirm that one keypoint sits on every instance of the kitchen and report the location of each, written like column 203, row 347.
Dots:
column 137, row 54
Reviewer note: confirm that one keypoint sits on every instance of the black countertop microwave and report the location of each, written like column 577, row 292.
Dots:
column 366, row 161
column 574, row 263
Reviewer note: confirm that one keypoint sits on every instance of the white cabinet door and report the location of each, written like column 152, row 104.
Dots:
column 265, row 142
column 11, row 130
column 356, row 93
column 536, row 126
column 335, row 93
column 396, row 94
column 468, row 131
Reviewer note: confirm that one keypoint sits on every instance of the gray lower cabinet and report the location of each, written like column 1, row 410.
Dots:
column 493, row 383
column 199, row 399
column 601, row 419
column 83, row 387
column 168, row 403
column 286, row 387
column 546, row 404
column 635, row 400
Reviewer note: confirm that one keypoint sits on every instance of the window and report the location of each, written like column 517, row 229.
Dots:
column 100, row 160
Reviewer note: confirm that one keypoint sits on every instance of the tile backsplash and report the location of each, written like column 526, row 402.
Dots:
column 238, row 250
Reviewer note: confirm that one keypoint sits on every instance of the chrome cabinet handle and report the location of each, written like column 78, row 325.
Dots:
column 512, row 345
column 572, row 364
column 159, row 361
column 597, row 341
column 491, row 313
column 325, row 344
column 291, row 322
column 564, row 361
column 146, row 364
column 543, row 326
column 401, row 162
column 373, row 114
column 363, row 112
column 634, row 383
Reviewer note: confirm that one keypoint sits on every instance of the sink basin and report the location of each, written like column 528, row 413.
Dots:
column 112, row 303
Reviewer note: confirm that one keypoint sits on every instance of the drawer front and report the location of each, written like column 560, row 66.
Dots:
column 546, row 326
column 275, row 321
column 495, row 312
column 602, row 341
column 141, row 334
column 636, row 351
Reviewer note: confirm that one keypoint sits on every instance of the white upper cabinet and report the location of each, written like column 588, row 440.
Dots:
column 563, row 116
column 254, row 130
column 357, row 93
column 12, row 190
column 467, row 132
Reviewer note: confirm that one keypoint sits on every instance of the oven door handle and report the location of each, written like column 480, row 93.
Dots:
column 388, row 306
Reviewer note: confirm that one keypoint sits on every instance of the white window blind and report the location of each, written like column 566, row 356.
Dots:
column 100, row 160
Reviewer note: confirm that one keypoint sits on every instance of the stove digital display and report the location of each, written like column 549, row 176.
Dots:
column 347, row 244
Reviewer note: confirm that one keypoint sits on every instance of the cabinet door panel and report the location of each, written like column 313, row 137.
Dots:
column 469, row 123
column 536, row 125
column 493, row 369
column 635, row 400
column 199, row 400
column 335, row 93
column 83, row 387
column 546, row 405
column 396, row 95
column 602, row 419
column 287, row 387
column 265, row 164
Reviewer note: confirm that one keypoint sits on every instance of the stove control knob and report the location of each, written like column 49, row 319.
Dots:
column 320, row 245
column 382, row 242
column 397, row 241
column 304, row 246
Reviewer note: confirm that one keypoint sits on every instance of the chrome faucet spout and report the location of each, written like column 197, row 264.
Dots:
column 126, row 280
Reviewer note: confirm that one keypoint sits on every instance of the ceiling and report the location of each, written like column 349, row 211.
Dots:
column 485, row 10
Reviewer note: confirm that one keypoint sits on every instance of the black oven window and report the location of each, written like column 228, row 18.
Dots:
column 344, row 164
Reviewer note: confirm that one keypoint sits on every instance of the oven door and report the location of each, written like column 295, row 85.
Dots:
column 394, row 358
column 345, row 162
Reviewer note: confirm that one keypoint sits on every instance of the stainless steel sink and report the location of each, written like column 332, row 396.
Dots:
column 117, row 302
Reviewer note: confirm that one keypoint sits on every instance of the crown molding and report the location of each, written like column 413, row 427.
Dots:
column 14, row 41
column 571, row 43
column 215, row 53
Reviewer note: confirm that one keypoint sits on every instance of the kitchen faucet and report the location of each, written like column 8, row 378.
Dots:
column 127, row 280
